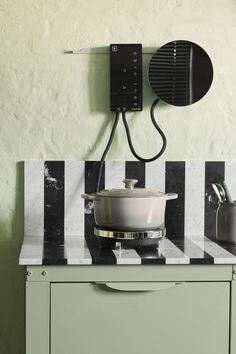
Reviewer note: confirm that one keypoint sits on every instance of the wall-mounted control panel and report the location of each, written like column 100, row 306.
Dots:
column 126, row 87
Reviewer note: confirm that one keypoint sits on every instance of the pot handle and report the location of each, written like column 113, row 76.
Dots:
column 130, row 183
column 170, row 196
column 89, row 196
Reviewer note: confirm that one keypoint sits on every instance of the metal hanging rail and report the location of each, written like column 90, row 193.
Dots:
column 104, row 50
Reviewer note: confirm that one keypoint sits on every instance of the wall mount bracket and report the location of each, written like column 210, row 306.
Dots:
column 104, row 50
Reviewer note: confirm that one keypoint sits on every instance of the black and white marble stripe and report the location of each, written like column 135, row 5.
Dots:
column 54, row 212
column 194, row 198
column 105, row 256
column 196, row 254
column 114, row 174
column 77, row 251
column 192, row 213
column 59, row 223
column 175, row 181
column 74, row 187
column 33, row 210
column 34, row 198
column 136, row 170
column 54, row 201
column 150, row 255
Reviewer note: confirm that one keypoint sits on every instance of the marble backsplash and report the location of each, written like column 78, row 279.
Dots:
column 55, row 210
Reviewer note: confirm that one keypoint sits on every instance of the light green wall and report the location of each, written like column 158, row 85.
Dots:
column 55, row 106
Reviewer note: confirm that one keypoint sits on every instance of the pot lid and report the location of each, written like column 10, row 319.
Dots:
column 129, row 191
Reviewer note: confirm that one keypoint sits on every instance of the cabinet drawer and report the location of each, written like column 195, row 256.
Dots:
column 137, row 318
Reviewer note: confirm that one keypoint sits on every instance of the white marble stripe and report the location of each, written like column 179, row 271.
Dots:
column 172, row 254
column 225, row 261
column 76, row 251
column 34, row 198
column 74, row 204
column 30, row 261
column 155, row 175
column 31, row 251
column 220, row 255
column 230, row 177
column 194, row 198
column 127, row 256
column 192, row 250
column 114, row 174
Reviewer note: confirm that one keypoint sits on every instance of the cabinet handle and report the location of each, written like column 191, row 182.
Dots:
column 145, row 286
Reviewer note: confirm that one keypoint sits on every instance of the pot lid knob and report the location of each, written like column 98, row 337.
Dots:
column 129, row 183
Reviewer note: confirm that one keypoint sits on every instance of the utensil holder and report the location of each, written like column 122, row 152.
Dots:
column 226, row 222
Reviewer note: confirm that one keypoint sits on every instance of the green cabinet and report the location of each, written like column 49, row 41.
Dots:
column 137, row 318
column 165, row 309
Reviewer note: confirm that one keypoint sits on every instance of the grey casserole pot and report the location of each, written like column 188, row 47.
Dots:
column 129, row 209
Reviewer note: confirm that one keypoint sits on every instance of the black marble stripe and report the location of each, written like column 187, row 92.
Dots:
column 54, row 201
column 102, row 255
column 214, row 173
column 202, row 260
column 53, row 254
column 175, row 183
column 99, row 255
column 150, row 255
column 136, row 170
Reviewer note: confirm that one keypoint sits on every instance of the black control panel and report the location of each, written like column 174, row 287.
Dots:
column 126, row 83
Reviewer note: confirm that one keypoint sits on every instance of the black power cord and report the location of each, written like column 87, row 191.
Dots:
column 157, row 128
column 117, row 117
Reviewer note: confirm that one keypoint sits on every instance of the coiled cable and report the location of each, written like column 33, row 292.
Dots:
column 164, row 144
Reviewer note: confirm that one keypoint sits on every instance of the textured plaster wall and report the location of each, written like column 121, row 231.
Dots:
column 55, row 106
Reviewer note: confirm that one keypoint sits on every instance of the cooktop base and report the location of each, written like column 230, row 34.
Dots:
column 109, row 238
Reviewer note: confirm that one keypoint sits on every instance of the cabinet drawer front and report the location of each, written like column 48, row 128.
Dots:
column 137, row 318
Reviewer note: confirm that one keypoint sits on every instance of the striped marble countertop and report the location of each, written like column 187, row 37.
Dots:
column 194, row 250
column 54, row 212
